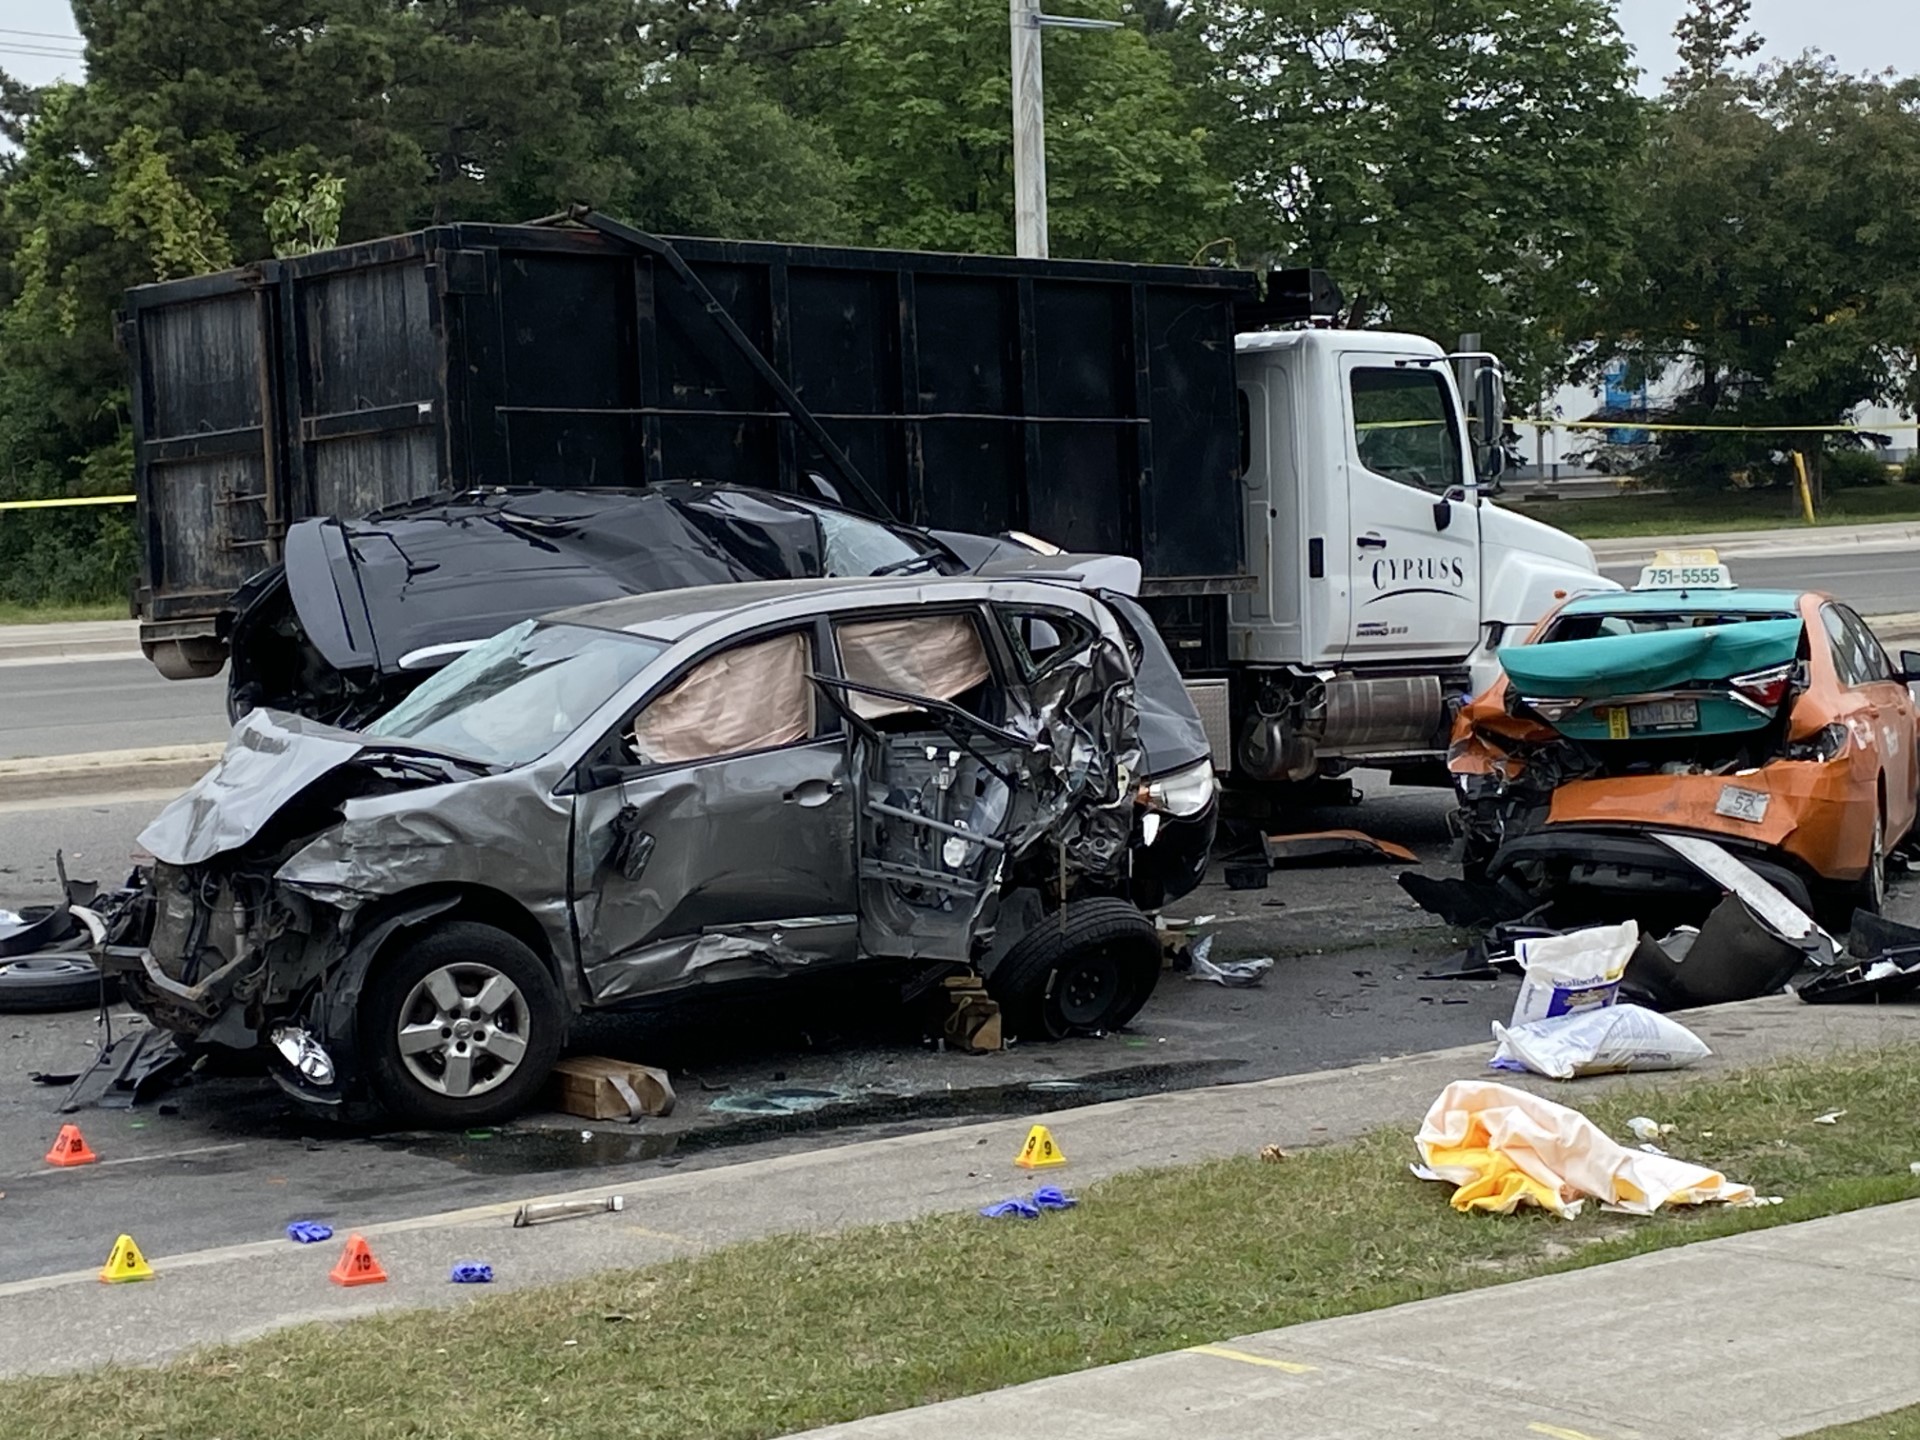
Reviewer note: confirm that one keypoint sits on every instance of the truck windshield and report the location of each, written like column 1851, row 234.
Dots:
column 1403, row 427
column 511, row 699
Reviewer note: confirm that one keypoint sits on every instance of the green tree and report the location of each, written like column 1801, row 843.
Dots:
column 920, row 108
column 1774, row 272
column 707, row 150
column 1454, row 164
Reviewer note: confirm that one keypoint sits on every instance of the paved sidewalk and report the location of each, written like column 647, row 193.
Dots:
column 71, row 1321
column 1770, row 1334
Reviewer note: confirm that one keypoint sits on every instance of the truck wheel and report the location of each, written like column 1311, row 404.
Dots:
column 1090, row 967
column 461, row 1026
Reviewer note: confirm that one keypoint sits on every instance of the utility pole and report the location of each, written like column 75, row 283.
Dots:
column 1030, row 121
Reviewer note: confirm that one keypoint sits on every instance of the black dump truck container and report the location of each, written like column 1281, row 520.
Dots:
column 1088, row 403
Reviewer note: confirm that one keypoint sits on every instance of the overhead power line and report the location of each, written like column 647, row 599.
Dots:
column 71, row 39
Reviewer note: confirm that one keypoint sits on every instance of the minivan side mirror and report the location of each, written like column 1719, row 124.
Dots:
column 1910, row 666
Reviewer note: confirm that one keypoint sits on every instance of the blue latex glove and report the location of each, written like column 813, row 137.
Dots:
column 1016, row 1208
column 1049, row 1197
column 309, row 1232
column 472, row 1272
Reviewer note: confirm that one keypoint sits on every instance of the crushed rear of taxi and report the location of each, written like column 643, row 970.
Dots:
column 1685, row 707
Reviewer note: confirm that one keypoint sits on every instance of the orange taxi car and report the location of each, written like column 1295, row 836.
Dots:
column 1771, row 722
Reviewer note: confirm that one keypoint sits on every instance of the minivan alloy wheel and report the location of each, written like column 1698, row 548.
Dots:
column 463, row 1029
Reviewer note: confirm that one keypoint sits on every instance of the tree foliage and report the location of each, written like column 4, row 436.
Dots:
column 1773, row 275
column 1456, row 164
column 918, row 95
column 1453, row 164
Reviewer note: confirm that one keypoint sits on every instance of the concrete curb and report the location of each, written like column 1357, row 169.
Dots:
column 69, row 640
column 1800, row 540
column 41, row 777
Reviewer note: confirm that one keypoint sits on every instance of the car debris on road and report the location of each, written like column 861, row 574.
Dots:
column 1503, row 1148
column 743, row 783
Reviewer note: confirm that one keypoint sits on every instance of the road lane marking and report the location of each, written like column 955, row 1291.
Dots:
column 1291, row 1367
column 1555, row 1432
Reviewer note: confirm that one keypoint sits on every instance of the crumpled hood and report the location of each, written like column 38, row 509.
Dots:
column 270, row 758
column 1661, row 660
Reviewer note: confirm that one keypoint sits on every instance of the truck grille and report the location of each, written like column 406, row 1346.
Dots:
column 1210, row 699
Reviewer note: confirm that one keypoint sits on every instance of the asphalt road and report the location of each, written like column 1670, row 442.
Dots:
column 229, row 1160
column 69, row 707
column 1874, row 582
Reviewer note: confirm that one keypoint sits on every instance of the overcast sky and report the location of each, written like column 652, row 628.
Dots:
column 1860, row 34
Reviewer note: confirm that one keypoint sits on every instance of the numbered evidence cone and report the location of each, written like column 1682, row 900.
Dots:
column 1039, row 1152
column 125, row 1263
column 357, row 1265
column 70, row 1148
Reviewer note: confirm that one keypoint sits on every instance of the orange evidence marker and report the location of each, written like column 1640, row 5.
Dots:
column 125, row 1263
column 70, row 1148
column 357, row 1265
column 1039, row 1152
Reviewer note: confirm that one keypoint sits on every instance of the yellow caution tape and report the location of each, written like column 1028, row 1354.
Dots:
column 1723, row 429
column 75, row 500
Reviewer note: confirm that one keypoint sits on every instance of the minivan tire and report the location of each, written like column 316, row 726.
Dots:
column 1086, row 969
column 499, row 1018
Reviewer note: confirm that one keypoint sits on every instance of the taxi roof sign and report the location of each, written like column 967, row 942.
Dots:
column 1685, row 570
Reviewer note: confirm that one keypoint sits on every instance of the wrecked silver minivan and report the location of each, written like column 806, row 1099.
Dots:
column 620, row 801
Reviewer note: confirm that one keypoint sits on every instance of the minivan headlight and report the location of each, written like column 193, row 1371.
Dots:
column 1184, row 792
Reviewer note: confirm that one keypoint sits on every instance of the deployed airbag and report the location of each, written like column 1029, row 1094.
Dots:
column 939, row 656
column 754, row 697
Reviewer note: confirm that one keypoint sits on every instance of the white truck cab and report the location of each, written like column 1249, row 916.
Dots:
column 1385, row 577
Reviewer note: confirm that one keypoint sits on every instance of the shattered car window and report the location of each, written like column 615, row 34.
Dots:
column 939, row 656
column 513, row 698
column 1592, row 627
column 861, row 547
column 1039, row 635
column 752, row 697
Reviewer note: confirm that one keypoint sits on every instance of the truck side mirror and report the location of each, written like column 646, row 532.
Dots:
column 1489, row 406
column 1489, row 421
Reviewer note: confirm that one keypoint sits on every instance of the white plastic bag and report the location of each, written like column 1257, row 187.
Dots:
column 1580, row 971
column 1598, row 1042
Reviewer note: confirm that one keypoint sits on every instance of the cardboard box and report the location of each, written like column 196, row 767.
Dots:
column 973, row 1016
column 591, row 1086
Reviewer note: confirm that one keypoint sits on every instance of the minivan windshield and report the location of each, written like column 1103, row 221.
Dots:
column 511, row 699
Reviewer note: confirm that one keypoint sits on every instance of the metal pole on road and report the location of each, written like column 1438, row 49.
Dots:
column 1030, row 121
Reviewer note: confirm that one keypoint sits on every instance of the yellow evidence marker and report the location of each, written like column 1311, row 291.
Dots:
column 125, row 1263
column 1039, row 1152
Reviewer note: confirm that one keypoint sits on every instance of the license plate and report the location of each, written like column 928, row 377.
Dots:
column 1741, row 804
column 1661, row 715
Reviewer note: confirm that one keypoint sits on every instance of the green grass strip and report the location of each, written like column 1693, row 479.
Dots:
column 792, row 1332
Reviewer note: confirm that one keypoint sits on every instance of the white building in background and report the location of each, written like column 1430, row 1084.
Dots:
column 1554, row 448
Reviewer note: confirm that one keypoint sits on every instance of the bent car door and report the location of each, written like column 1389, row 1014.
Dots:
column 713, row 834
column 958, row 774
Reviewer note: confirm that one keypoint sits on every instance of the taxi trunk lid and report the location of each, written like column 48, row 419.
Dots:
column 1684, row 683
